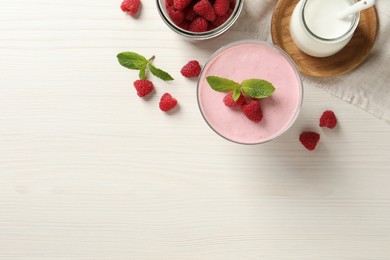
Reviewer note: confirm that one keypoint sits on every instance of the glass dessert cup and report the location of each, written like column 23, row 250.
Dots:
column 243, row 60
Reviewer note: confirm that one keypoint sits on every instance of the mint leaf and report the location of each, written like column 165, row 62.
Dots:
column 236, row 94
column 135, row 61
column 132, row 60
column 257, row 88
column 159, row 73
column 222, row 84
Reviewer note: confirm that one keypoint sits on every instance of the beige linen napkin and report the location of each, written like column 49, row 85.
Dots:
column 367, row 86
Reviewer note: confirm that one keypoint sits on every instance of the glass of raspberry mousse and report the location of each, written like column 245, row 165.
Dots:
column 250, row 120
column 199, row 19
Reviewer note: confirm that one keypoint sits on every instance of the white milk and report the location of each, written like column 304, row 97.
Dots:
column 317, row 31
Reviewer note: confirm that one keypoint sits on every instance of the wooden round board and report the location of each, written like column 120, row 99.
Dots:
column 342, row 62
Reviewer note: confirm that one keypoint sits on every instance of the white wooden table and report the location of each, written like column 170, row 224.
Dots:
column 90, row 171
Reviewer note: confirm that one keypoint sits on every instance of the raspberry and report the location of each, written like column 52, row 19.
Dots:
column 167, row 102
column 253, row 111
column 169, row 2
column 190, row 14
column 143, row 87
column 328, row 119
column 309, row 140
column 205, row 9
column 191, row 69
column 181, row 4
column 219, row 20
column 211, row 26
column 232, row 4
column 221, row 7
column 199, row 25
column 176, row 16
column 131, row 6
column 229, row 102
column 185, row 25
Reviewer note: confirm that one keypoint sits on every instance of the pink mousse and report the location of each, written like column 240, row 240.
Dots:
column 248, row 60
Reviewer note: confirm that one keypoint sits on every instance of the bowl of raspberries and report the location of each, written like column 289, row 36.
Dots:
column 199, row 19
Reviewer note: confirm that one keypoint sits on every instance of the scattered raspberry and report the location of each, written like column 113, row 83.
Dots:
column 221, row 7
column 143, row 87
column 167, row 102
column 205, row 9
column 253, row 111
column 309, row 140
column 199, row 25
column 181, row 4
column 176, row 16
column 328, row 119
column 229, row 102
column 131, row 6
column 191, row 69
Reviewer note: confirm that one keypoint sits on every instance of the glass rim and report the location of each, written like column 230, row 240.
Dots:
column 200, row 35
column 354, row 24
column 285, row 55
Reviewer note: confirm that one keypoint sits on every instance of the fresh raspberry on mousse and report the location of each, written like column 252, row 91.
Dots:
column 229, row 101
column 253, row 111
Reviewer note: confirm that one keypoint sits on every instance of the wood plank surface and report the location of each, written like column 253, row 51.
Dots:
column 90, row 171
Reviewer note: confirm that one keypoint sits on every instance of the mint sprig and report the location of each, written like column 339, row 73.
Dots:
column 255, row 88
column 135, row 61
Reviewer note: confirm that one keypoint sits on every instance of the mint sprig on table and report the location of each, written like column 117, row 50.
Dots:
column 255, row 88
column 135, row 61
